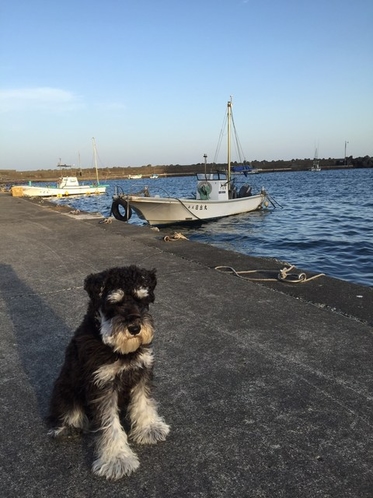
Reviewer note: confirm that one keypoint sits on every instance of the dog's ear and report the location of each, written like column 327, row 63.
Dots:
column 152, row 276
column 93, row 285
column 151, row 282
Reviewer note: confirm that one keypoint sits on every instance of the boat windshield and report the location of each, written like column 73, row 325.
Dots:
column 218, row 175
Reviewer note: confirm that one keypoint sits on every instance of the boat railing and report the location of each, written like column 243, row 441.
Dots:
column 142, row 190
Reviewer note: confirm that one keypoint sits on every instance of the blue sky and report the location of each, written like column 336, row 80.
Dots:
column 150, row 79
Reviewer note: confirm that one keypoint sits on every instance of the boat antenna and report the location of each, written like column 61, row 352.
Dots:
column 205, row 156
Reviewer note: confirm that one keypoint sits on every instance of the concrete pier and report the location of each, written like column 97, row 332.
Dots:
column 267, row 386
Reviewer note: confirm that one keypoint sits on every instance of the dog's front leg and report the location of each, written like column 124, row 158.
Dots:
column 115, row 458
column 147, row 427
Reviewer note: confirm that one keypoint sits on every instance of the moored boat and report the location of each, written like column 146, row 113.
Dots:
column 316, row 163
column 65, row 186
column 217, row 196
column 315, row 166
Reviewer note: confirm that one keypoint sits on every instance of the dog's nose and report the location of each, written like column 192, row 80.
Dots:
column 134, row 328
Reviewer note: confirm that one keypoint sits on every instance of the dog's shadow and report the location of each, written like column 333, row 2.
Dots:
column 39, row 334
column 37, row 339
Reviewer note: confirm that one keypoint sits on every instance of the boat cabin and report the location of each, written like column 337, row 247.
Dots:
column 212, row 186
column 68, row 181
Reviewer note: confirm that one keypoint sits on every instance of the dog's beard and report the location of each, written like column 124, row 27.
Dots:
column 115, row 334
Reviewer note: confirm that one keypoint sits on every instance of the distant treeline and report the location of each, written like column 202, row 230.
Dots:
column 118, row 172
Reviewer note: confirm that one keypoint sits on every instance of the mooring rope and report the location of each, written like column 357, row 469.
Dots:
column 283, row 275
column 174, row 236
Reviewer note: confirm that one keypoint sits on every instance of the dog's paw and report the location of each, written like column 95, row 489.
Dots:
column 116, row 467
column 65, row 432
column 151, row 434
column 56, row 432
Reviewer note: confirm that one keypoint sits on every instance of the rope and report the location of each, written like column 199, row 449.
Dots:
column 185, row 207
column 174, row 236
column 107, row 220
column 283, row 275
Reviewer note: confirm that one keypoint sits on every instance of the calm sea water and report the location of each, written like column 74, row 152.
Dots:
column 325, row 223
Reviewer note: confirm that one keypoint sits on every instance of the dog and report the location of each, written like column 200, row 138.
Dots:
column 108, row 371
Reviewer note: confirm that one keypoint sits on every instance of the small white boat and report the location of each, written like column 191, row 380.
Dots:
column 65, row 186
column 315, row 166
column 216, row 197
column 134, row 177
column 316, row 163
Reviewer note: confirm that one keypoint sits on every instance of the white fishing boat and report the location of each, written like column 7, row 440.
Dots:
column 216, row 196
column 315, row 166
column 65, row 186
column 316, row 163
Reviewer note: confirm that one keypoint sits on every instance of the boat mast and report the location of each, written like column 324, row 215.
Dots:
column 229, row 112
column 95, row 157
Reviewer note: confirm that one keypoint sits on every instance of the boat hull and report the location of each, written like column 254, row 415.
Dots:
column 34, row 191
column 160, row 211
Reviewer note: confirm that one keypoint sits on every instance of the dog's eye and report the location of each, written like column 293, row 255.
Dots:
column 141, row 292
column 115, row 296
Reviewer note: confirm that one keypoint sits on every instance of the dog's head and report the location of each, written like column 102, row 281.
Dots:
column 120, row 299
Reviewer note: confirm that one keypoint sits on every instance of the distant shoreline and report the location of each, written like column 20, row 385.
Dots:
column 116, row 173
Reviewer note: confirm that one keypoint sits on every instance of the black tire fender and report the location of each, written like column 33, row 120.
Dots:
column 118, row 213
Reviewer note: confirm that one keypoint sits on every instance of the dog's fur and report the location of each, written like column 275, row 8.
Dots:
column 108, row 371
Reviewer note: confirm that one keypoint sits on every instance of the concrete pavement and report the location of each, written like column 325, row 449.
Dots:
column 267, row 386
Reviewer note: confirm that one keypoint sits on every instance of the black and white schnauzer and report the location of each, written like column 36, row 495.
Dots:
column 108, row 371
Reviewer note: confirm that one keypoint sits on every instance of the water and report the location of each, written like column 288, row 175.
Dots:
column 325, row 223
